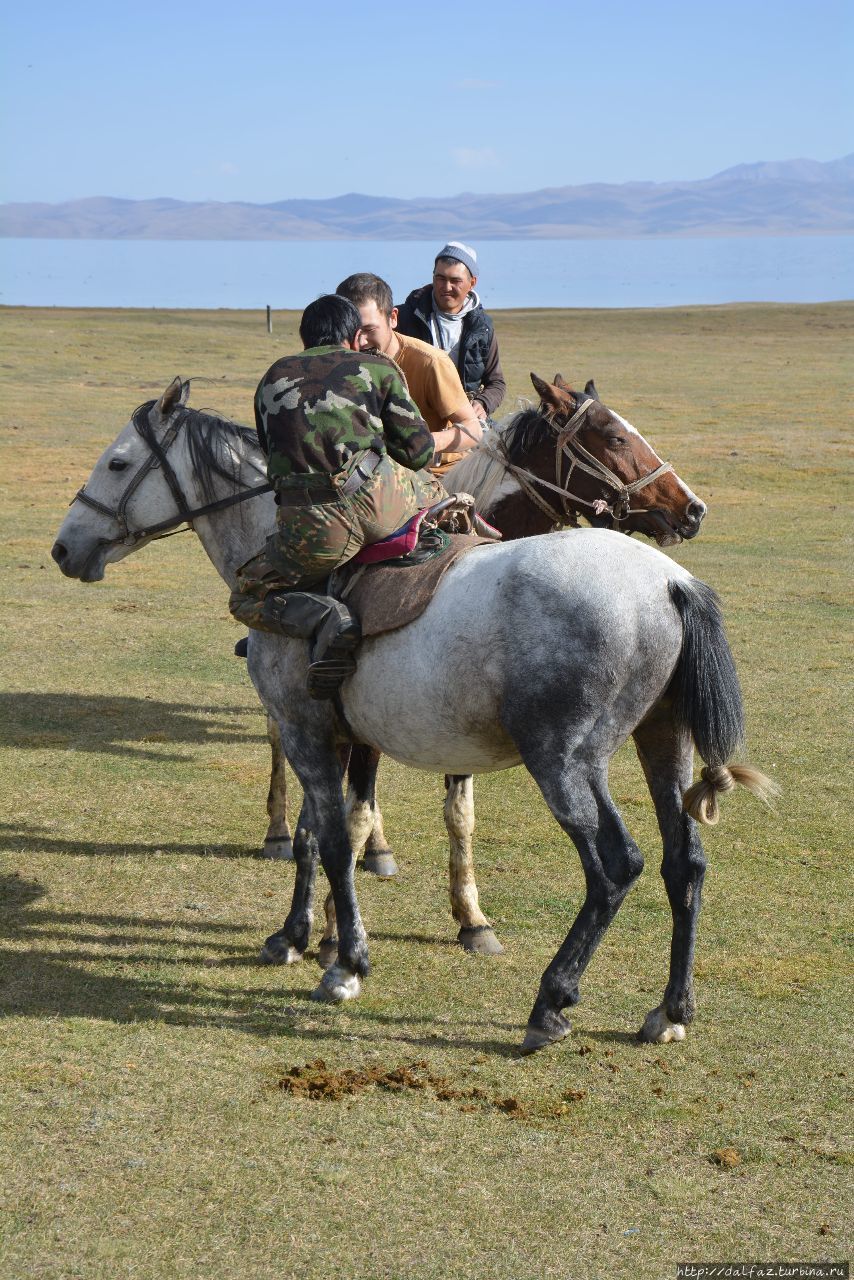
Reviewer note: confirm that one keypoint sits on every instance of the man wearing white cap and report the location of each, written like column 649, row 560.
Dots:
column 448, row 314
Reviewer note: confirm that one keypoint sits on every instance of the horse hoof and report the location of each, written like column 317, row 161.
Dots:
column 327, row 952
column 277, row 951
column 337, row 985
column 658, row 1029
column 480, row 939
column 538, row 1038
column 381, row 864
column 279, row 847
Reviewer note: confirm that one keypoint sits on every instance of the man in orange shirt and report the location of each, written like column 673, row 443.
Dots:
column 431, row 375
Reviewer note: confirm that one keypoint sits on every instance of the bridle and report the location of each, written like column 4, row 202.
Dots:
column 569, row 447
column 157, row 450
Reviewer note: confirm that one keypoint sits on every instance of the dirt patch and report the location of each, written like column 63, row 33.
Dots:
column 726, row 1158
column 317, row 1082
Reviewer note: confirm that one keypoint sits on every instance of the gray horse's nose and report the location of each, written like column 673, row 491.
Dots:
column 59, row 553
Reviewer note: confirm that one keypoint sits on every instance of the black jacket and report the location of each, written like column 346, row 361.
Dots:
column 479, row 368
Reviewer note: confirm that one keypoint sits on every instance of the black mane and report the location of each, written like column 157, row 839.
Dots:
column 208, row 435
column 525, row 432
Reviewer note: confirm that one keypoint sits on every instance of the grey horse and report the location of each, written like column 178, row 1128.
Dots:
column 534, row 471
column 550, row 651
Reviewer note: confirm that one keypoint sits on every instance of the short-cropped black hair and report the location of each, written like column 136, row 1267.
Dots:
column 329, row 321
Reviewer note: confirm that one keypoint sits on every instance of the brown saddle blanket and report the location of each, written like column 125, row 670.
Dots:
column 391, row 595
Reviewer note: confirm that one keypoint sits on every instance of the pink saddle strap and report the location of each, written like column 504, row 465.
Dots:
column 399, row 543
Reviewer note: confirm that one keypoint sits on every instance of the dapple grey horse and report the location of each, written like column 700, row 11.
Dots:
column 532, row 472
column 579, row 640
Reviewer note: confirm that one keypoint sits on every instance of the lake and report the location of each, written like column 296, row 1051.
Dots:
column 522, row 273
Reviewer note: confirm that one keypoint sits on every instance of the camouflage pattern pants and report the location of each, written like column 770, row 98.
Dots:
column 313, row 539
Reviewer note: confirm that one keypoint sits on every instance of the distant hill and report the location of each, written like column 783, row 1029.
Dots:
column 776, row 197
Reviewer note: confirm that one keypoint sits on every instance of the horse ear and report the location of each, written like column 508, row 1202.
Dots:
column 590, row 390
column 175, row 396
column 560, row 382
column 555, row 396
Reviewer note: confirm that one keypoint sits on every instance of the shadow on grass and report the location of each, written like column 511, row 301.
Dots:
column 22, row 839
column 58, row 977
column 114, row 725
column 423, row 939
column 616, row 1037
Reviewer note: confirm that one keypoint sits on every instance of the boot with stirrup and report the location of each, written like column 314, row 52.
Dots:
column 335, row 630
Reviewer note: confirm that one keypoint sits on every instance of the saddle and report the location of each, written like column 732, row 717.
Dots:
column 390, row 583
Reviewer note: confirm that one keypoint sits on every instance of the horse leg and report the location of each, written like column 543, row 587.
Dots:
column 327, row 950
column 361, row 767
column 361, row 805
column 667, row 757
column 476, row 932
column 577, row 794
column 318, row 768
column 288, row 944
column 277, row 842
column 341, row 980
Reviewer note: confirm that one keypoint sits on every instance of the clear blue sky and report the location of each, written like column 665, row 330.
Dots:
column 200, row 99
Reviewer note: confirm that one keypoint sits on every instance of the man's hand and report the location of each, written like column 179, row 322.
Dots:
column 479, row 409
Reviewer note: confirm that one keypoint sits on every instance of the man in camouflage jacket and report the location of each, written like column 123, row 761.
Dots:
column 345, row 449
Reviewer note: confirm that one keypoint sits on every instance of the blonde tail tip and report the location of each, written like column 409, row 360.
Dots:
column 700, row 801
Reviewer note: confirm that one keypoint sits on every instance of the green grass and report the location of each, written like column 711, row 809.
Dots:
column 144, row 1127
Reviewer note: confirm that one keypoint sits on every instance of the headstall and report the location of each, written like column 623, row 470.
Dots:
column 567, row 446
column 157, row 451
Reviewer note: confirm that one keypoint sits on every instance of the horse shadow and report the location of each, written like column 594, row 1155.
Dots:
column 21, row 838
column 115, row 725
column 51, row 966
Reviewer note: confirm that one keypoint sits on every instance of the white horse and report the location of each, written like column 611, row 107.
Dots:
column 581, row 639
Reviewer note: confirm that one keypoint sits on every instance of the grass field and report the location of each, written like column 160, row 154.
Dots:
column 152, row 1124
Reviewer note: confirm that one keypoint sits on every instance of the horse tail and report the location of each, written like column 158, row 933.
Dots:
column 706, row 700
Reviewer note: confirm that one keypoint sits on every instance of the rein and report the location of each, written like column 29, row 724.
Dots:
column 578, row 457
column 157, row 458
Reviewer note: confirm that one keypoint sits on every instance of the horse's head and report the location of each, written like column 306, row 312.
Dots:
column 609, row 472
column 115, row 512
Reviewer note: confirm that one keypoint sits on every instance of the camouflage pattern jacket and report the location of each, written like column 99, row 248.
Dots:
column 316, row 410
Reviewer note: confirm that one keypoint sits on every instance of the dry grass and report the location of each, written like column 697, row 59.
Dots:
column 146, row 1129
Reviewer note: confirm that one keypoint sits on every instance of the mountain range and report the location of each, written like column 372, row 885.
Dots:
column 780, row 197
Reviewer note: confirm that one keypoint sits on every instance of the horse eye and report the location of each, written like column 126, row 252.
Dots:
column 616, row 441
column 117, row 464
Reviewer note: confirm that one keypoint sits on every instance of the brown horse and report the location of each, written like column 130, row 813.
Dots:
column 541, row 469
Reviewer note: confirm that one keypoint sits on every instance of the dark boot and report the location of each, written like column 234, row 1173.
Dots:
column 334, row 629
column 332, row 653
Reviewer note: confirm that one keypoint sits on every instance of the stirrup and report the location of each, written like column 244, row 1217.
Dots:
column 326, row 675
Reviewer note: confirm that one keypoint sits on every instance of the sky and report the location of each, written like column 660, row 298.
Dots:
column 206, row 100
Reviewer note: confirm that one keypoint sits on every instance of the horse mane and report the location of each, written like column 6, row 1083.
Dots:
column 525, row 431
column 217, row 447
column 481, row 470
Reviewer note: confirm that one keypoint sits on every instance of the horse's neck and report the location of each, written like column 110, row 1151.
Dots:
column 482, row 473
column 233, row 535
column 497, row 493
column 516, row 516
